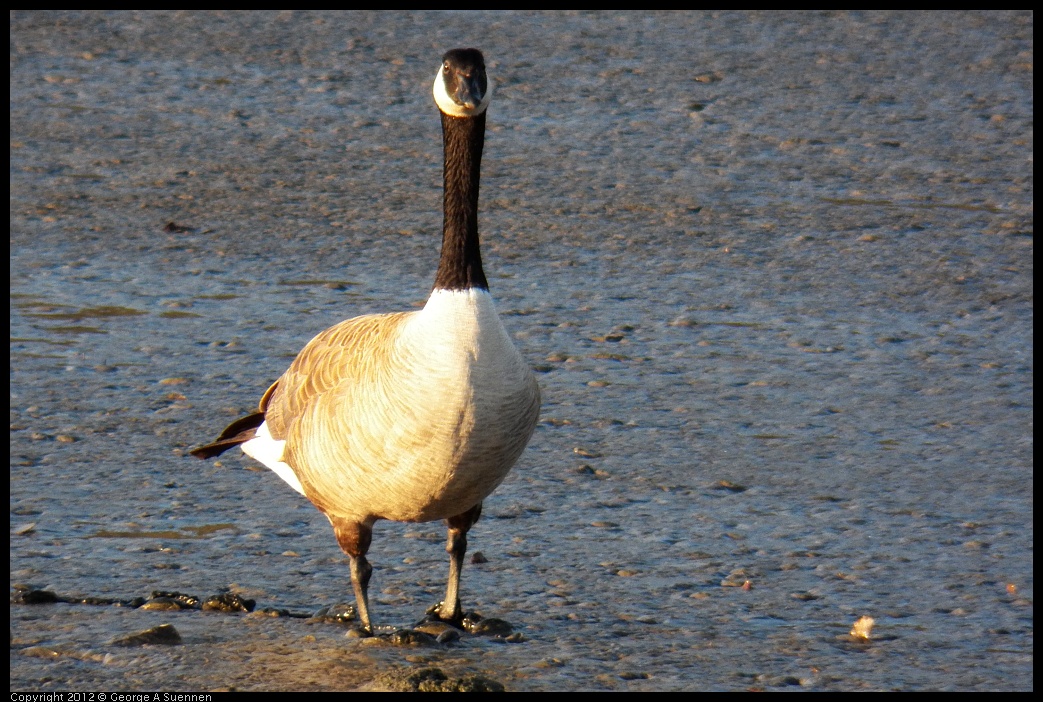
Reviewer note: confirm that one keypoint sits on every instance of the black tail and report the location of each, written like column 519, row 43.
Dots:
column 238, row 432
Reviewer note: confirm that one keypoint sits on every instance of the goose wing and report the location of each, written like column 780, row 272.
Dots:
column 343, row 354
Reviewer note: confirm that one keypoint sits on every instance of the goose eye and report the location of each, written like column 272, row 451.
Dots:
column 445, row 66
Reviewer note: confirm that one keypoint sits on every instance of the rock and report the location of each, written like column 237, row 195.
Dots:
column 411, row 637
column 34, row 597
column 164, row 604
column 434, row 680
column 491, row 627
column 228, row 603
column 164, row 635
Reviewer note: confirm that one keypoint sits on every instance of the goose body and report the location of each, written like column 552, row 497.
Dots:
column 409, row 416
column 420, row 412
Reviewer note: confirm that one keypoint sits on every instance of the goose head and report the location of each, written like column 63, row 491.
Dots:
column 462, row 88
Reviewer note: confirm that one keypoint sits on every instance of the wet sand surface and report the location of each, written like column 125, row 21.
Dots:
column 774, row 272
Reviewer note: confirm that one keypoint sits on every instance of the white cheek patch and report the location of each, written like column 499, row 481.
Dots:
column 448, row 106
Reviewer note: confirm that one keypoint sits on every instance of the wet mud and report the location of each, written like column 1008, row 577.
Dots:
column 774, row 272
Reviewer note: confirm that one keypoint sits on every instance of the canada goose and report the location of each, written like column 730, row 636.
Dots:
column 408, row 416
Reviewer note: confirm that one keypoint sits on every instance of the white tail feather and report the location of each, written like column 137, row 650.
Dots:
column 268, row 451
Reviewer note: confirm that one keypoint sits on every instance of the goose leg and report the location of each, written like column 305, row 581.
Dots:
column 456, row 546
column 354, row 539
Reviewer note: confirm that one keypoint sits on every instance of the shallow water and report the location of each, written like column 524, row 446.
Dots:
column 775, row 272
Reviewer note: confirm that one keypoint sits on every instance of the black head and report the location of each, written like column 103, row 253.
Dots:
column 462, row 88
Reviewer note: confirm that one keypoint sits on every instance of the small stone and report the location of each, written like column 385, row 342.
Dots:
column 434, row 680
column 164, row 634
column 863, row 628
column 477, row 683
column 434, row 627
column 631, row 675
column 336, row 613
column 33, row 597
column 228, row 603
column 163, row 604
column 411, row 682
column 410, row 637
column 273, row 612
column 40, row 652
column 492, row 627
column 187, row 601
column 448, row 636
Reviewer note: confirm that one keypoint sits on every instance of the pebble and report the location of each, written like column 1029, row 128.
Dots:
column 164, row 634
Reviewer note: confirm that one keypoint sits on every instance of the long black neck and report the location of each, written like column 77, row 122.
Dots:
column 460, row 267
